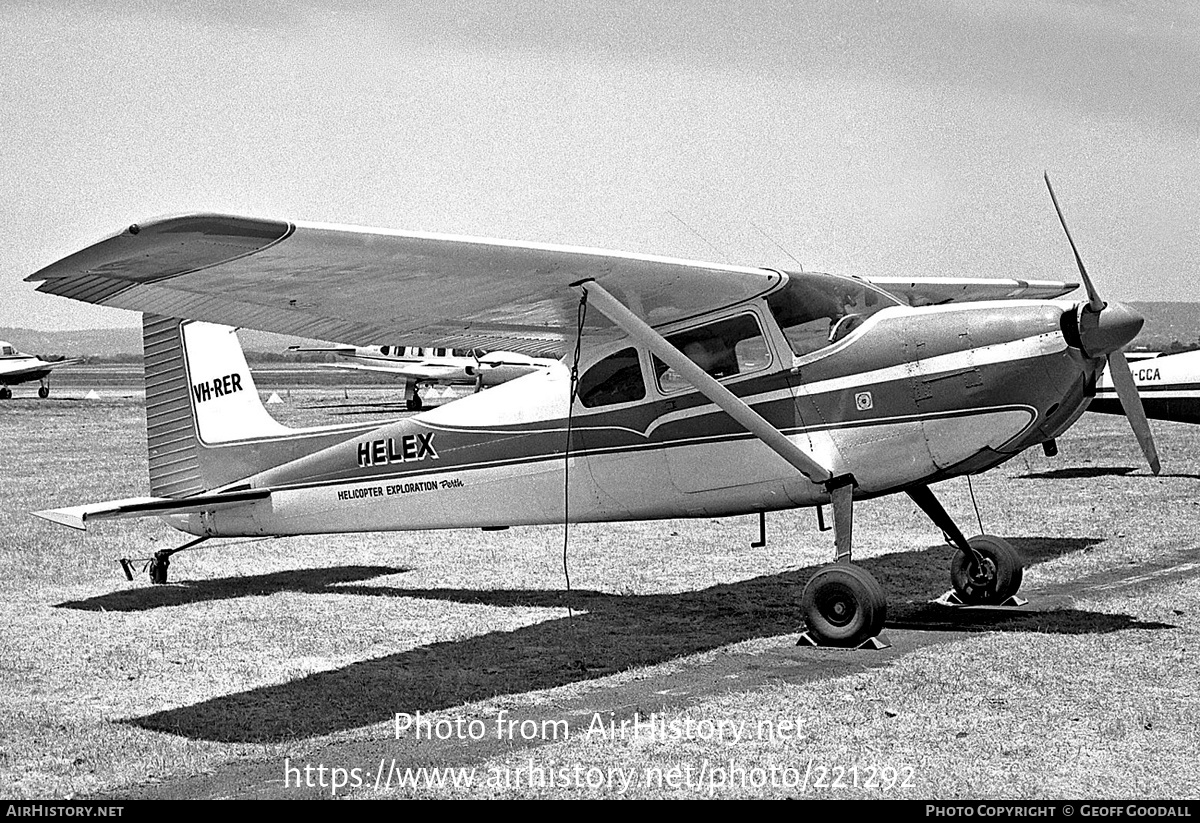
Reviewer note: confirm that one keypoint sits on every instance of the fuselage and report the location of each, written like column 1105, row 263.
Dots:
column 438, row 365
column 17, row 367
column 1168, row 384
column 897, row 396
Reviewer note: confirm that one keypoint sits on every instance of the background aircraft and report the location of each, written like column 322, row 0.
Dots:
column 1169, row 385
column 426, row 366
column 16, row 368
column 813, row 390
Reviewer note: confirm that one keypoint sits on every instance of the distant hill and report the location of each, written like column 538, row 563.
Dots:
column 1169, row 326
column 104, row 342
column 126, row 344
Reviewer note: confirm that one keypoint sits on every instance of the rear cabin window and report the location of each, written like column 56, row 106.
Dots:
column 723, row 349
column 817, row 310
column 615, row 379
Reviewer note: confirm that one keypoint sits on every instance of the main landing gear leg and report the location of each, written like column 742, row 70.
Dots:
column 843, row 604
column 412, row 400
column 986, row 570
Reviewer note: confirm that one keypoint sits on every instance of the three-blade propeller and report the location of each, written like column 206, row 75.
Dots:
column 1103, row 330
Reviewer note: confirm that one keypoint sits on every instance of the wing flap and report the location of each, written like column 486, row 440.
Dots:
column 77, row 517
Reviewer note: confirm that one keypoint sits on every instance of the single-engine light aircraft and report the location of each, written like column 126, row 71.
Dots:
column 687, row 389
column 17, row 367
column 432, row 366
column 1169, row 385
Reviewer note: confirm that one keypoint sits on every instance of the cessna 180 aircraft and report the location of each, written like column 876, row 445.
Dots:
column 688, row 389
column 1169, row 385
column 16, row 367
column 426, row 366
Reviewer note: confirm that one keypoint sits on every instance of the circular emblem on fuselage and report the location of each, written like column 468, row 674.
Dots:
column 863, row 401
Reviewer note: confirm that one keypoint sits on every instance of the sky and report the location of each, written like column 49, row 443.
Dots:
column 886, row 139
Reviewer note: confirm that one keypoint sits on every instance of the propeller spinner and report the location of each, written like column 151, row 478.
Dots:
column 1103, row 329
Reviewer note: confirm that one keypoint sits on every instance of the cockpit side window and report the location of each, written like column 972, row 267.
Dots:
column 9, row 350
column 615, row 379
column 817, row 310
column 723, row 349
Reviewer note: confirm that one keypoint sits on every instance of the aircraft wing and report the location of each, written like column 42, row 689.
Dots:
column 410, row 371
column 35, row 367
column 375, row 286
column 932, row 291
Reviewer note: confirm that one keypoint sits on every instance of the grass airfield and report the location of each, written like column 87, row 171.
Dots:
column 299, row 652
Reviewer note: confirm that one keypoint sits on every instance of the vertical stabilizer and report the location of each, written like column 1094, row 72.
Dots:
column 206, row 426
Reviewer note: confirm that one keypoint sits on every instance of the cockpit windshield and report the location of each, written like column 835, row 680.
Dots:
column 816, row 310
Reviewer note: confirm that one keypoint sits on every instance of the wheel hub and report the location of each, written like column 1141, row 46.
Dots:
column 838, row 607
column 983, row 574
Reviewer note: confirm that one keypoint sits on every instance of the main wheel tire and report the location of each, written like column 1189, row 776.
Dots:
column 5, row 393
column 43, row 392
column 414, row 403
column 998, row 578
column 843, row 605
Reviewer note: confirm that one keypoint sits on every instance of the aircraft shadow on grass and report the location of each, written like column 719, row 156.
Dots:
column 301, row 581
column 606, row 633
column 1085, row 472
column 1079, row 473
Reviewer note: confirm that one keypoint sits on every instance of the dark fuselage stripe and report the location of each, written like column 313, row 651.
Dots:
column 631, row 449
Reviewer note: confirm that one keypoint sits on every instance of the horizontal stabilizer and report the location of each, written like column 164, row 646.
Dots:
column 77, row 516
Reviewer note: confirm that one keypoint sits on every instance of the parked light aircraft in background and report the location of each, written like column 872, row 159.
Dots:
column 702, row 389
column 16, row 367
column 428, row 366
column 1169, row 385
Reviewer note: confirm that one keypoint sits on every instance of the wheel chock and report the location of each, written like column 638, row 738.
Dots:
column 952, row 600
column 877, row 643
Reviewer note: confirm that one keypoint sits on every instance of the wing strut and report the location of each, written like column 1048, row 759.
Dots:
column 733, row 405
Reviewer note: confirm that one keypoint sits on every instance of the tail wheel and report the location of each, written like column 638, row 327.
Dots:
column 843, row 605
column 994, row 580
column 158, row 567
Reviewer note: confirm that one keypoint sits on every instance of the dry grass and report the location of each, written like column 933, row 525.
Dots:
column 306, row 647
